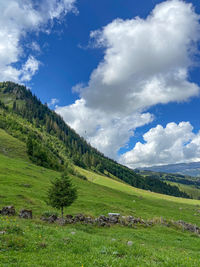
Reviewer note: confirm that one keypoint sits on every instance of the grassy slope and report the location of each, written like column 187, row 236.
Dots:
column 90, row 246
column 12, row 147
column 112, row 196
column 189, row 189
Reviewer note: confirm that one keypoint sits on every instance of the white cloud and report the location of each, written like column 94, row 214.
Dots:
column 34, row 46
column 174, row 144
column 77, row 88
column 19, row 17
column 146, row 62
column 106, row 132
column 53, row 102
column 29, row 68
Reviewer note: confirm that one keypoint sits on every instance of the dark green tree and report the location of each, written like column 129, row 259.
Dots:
column 29, row 145
column 61, row 193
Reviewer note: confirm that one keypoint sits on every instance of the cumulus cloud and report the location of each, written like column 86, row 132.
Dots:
column 146, row 62
column 174, row 144
column 18, row 17
column 104, row 131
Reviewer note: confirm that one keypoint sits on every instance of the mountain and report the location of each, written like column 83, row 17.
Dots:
column 51, row 143
column 191, row 169
column 32, row 155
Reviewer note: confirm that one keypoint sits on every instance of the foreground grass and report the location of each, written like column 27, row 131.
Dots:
column 32, row 243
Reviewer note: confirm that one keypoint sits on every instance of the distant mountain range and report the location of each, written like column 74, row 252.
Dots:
column 191, row 169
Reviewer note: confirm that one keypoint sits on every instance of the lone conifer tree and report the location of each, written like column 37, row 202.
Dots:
column 61, row 193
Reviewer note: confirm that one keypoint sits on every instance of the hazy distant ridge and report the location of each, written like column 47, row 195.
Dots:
column 192, row 169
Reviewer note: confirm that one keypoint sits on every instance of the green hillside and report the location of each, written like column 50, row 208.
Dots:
column 53, row 144
column 25, row 184
column 35, row 243
column 12, row 147
column 191, row 190
column 24, row 181
column 188, row 184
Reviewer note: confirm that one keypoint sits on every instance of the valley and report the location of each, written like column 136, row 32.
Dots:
column 24, row 183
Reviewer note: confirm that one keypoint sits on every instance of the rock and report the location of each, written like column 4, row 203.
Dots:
column 104, row 224
column 102, row 221
column 113, row 214
column 25, row 214
column 113, row 218
column 130, row 219
column 103, row 218
column 189, row 227
column 61, row 221
column 130, row 243
column 52, row 218
column 9, row 211
column 79, row 218
column 69, row 219
column 69, row 216
column 89, row 220
column 123, row 221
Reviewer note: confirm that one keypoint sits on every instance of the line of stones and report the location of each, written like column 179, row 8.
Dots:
column 102, row 220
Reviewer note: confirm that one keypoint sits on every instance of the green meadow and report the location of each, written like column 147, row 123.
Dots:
column 35, row 243
column 189, row 189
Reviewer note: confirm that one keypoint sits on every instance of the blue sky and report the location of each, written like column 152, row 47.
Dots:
column 118, row 69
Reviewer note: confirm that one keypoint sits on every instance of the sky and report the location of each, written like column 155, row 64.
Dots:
column 124, row 74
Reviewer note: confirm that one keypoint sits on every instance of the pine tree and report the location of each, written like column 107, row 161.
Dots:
column 61, row 193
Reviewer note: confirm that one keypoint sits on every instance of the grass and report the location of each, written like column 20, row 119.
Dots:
column 149, row 204
column 189, row 189
column 28, row 243
column 11, row 146
column 25, row 185
column 35, row 243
